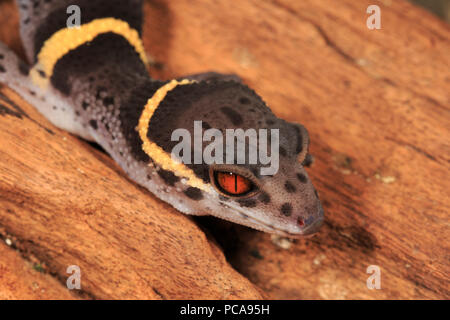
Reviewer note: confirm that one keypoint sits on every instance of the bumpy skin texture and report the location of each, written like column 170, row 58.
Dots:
column 98, row 91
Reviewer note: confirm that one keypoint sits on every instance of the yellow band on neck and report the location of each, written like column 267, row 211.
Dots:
column 158, row 155
column 64, row 40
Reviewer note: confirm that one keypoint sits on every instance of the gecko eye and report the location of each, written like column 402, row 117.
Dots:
column 232, row 184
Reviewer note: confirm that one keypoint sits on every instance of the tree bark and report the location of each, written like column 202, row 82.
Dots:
column 376, row 105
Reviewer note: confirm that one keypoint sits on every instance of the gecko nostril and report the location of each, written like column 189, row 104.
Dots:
column 300, row 221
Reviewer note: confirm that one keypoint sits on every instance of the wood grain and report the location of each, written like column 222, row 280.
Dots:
column 21, row 279
column 376, row 104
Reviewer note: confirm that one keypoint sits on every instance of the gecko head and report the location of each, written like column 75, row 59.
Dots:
column 285, row 203
column 282, row 201
column 235, row 159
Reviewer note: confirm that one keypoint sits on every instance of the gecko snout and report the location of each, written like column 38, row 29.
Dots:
column 311, row 224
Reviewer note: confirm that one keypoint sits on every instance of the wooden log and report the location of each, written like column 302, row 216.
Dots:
column 376, row 104
column 20, row 279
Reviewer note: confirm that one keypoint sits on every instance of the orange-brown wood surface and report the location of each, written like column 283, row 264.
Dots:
column 376, row 104
column 20, row 279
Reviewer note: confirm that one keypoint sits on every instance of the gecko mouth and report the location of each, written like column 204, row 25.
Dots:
column 308, row 232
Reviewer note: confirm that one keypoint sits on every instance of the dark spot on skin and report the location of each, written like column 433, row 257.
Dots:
column 286, row 209
column 249, row 203
column 244, row 100
column 1, row 56
column 93, row 124
column 85, row 105
column 149, row 177
column 308, row 160
column 23, row 68
column 234, row 116
column 169, row 177
column 264, row 198
column 289, row 187
column 77, row 113
column 2, row 69
column 283, row 151
column 100, row 90
column 54, row 108
column 300, row 221
column 32, row 93
column 108, row 101
column 194, row 193
column 301, row 177
column 42, row 73
column 26, row 21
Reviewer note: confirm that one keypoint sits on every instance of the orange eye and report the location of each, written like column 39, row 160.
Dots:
column 233, row 184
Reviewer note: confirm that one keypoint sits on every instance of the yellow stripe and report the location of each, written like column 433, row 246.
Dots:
column 155, row 152
column 64, row 40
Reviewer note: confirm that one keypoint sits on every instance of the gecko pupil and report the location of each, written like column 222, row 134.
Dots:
column 233, row 184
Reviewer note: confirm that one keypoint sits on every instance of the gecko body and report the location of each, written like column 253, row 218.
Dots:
column 93, row 82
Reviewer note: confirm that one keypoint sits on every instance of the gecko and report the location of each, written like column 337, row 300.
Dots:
column 94, row 82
